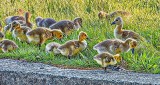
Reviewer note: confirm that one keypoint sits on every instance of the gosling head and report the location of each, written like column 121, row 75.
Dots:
column 38, row 19
column 57, row 33
column 15, row 25
column 132, row 44
column 77, row 22
column 82, row 36
column 101, row 14
column 117, row 21
column 118, row 58
column 20, row 11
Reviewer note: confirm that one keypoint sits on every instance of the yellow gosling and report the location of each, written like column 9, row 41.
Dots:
column 41, row 35
column 73, row 47
column 105, row 59
column 115, row 46
column 20, row 31
column 7, row 45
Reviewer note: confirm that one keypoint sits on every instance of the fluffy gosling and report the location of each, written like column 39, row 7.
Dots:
column 124, row 34
column 7, row 45
column 77, row 23
column 41, row 35
column 115, row 46
column 73, row 47
column 52, row 47
column 67, row 26
column 20, row 31
column 105, row 59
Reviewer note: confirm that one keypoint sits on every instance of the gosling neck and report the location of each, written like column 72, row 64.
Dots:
column 119, row 28
column 81, row 39
column 27, row 19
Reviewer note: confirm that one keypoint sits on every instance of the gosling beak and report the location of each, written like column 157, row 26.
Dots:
column 132, row 50
column 113, row 23
column 88, row 38
column 80, row 24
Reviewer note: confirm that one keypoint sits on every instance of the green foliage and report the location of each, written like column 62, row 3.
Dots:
column 145, row 21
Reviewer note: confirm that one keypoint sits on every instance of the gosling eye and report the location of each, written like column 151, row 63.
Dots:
column 60, row 35
column 116, row 19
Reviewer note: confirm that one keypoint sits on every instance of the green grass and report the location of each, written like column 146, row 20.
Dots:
column 145, row 21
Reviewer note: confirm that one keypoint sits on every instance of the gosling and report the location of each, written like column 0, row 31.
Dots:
column 105, row 59
column 116, row 46
column 124, row 34
column 67, row 26
column 47, row 22
column 52, row 48
column 20, row 31
column 41, row 35
column 8, row 45
column 72, row 47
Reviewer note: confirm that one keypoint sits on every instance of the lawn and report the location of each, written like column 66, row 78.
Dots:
column 145, row 20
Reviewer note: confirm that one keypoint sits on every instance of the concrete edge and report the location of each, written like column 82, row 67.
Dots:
column 14, row 72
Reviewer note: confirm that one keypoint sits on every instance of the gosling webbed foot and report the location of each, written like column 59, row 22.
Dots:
column 117, row 68
column 105, row 69
column 69, row 57
column 132, row 50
